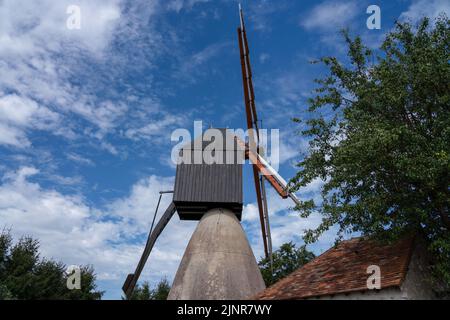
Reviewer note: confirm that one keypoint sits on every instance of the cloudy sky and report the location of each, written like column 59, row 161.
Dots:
column 86, row 114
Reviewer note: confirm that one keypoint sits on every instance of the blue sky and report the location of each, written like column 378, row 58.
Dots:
column 86, row 115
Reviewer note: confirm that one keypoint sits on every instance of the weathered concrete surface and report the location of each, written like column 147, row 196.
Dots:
column 418, row 281
column 218, row 263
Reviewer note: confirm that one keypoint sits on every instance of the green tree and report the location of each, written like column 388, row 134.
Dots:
column 144, row 291
column 24, row 275
column 88, row 289
column 285, row 260
column 380, row 140
column 162, row 290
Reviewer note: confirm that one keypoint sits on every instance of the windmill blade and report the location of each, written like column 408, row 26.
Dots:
column 249, row 75
column 266, row 219
column 263, row 168
column 251, row 123
column 262, row 219
column 268, row 172
column 130, row 282
column 274, row 178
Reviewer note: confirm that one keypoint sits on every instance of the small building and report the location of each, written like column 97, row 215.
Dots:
column 343, row 272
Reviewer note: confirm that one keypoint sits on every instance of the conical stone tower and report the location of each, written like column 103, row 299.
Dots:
column 218, row 263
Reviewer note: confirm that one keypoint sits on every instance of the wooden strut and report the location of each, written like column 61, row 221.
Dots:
column 130, row 282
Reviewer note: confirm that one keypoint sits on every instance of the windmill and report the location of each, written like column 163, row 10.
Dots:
column 218, row 262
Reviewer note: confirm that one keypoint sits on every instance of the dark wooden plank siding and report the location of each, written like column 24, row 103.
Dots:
column 208, row 184
column 199, row 187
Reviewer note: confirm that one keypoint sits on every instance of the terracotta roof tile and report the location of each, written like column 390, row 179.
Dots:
column 343, row 269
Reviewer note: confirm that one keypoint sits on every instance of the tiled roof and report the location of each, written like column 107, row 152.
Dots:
column 343, row 269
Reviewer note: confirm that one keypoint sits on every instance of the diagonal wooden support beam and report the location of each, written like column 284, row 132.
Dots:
column 132, row 278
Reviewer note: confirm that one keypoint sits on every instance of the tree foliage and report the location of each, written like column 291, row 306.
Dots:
column 380, row 140
column 24, row 275
column 144, row 291
column 285, row 260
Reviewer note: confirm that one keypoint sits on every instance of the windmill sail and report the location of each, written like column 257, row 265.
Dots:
column 261, row 169
column 252, row 124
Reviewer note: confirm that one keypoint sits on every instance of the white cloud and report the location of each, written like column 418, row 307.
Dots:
column 207, row 53
column 156, row 128
column 178, row 5
column 111, row 238
column 425, row 8
column 286, row 225
column 285, row 90
column 191, row 66
column 17, row 114
column 34, row 44
column 80, row 159
column 261, row 11
column 264, row 57
column 289, row 147
column 141, row 202
column 330, row 15
column 65, row 72
column 13, row 136
column 32, row 27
